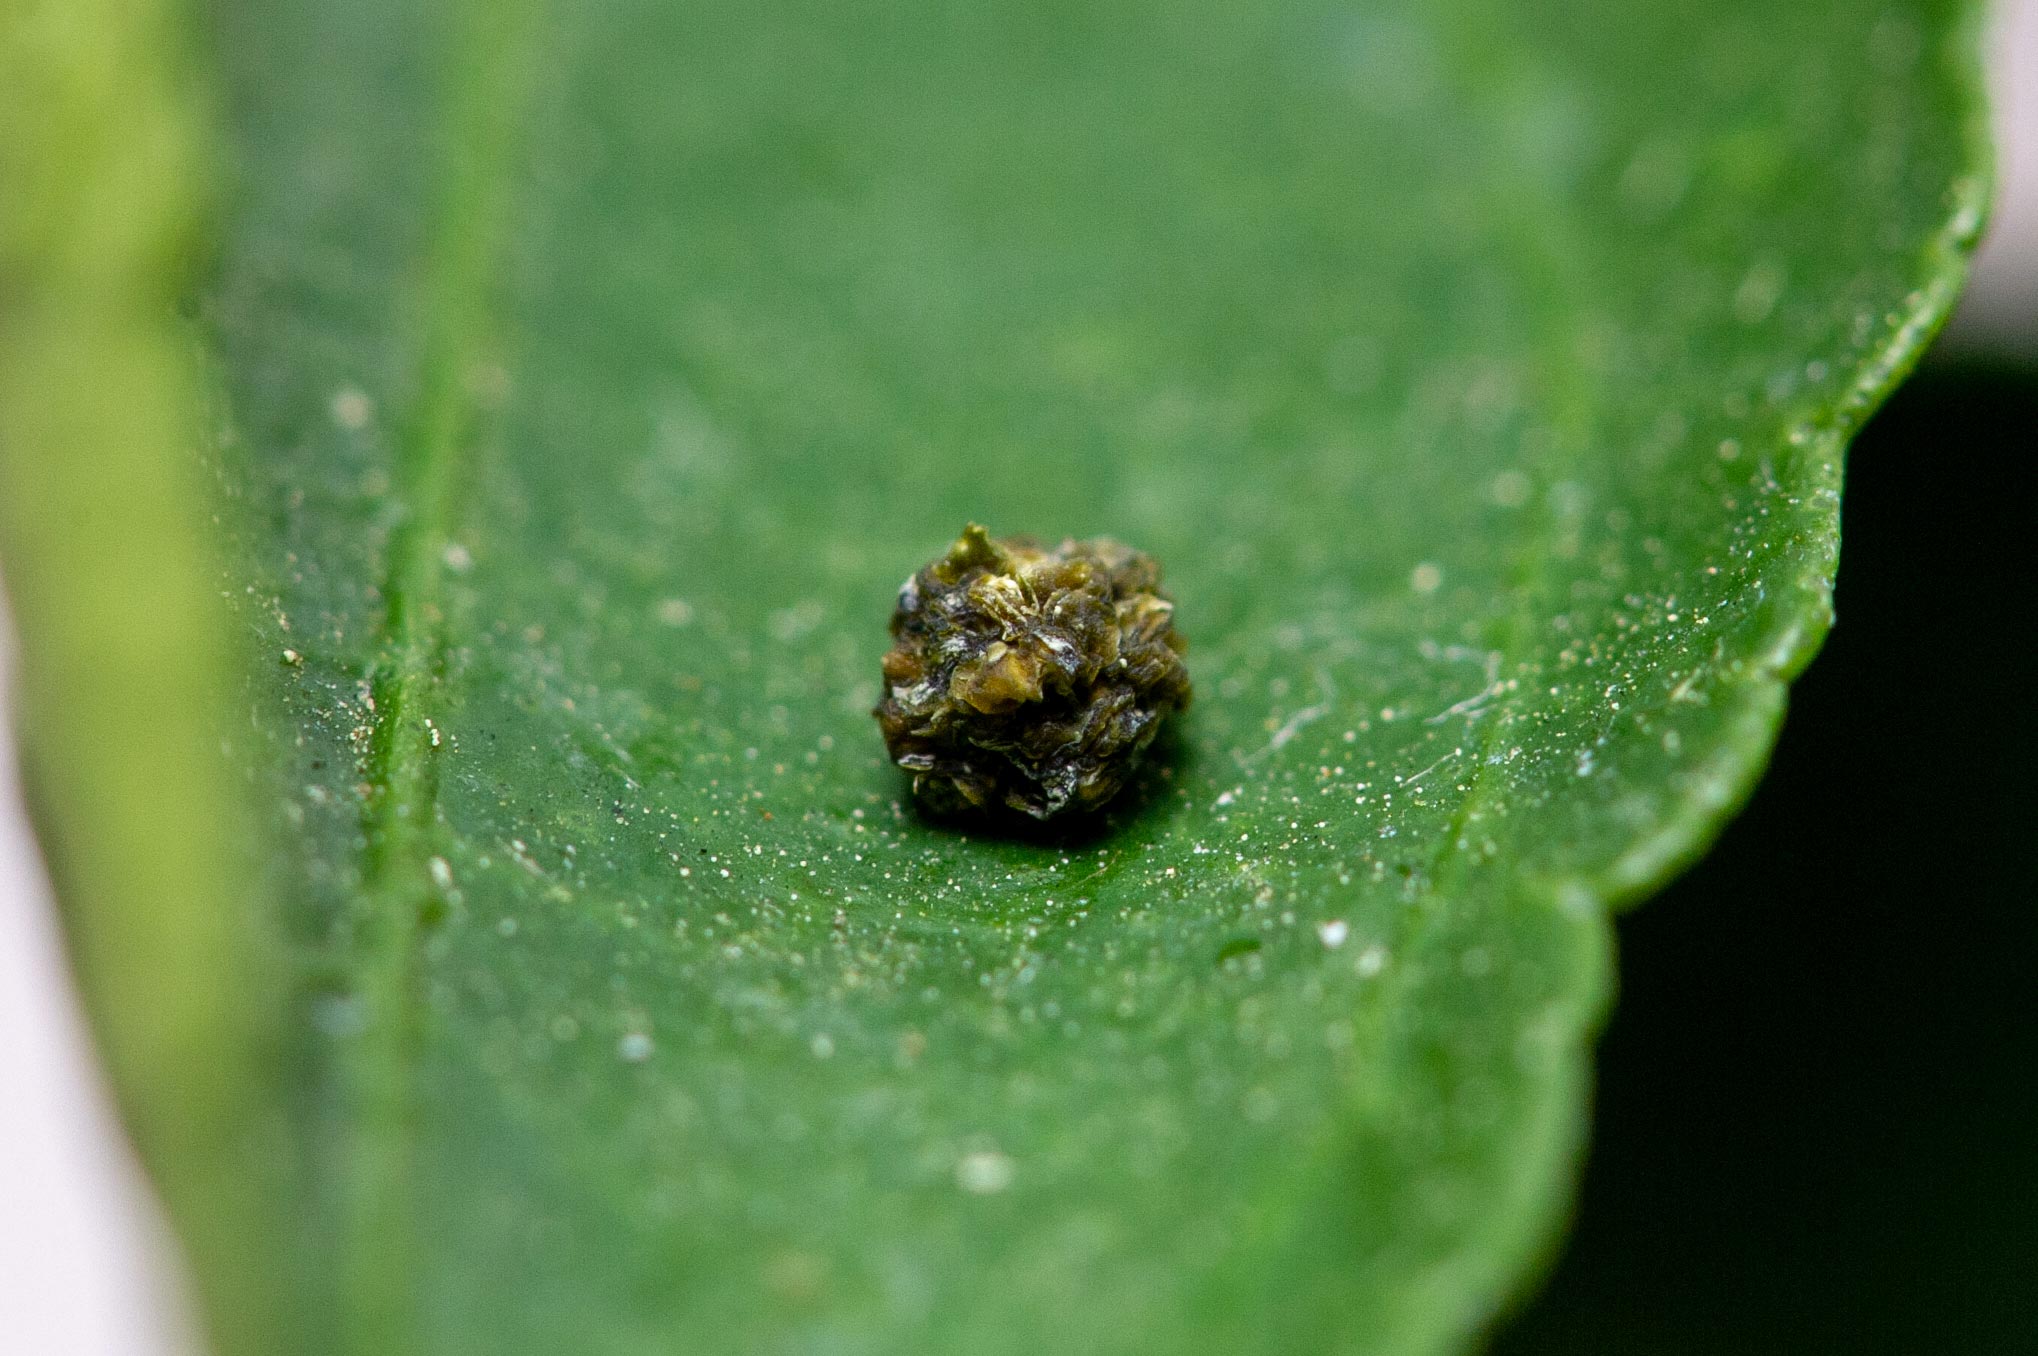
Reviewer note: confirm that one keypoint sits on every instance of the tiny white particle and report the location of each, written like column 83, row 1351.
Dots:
column 1758, row 293
column 984, row 1173
column 1509, row 489
column 634, row 1047
column 442, row 873
column 823, row 1045
column 1333, row 931
column 675, row 612
column 338, row 1015
column 1370, row 962
column 457, row 558
column 1425, row 578
column 351, row 408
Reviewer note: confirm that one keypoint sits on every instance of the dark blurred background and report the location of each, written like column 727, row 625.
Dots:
column 1817, row 1120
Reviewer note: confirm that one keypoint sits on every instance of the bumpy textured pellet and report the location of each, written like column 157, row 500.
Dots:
column 1029, row 679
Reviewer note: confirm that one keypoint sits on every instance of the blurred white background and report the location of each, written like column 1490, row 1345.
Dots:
column 84, row 1266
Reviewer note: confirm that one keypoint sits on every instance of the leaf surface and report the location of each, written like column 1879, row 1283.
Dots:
column 581, row 382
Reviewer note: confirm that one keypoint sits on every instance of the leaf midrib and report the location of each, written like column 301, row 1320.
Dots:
column 487, row 93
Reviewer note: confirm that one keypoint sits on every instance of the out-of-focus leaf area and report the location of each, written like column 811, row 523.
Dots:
column 1816, row 1126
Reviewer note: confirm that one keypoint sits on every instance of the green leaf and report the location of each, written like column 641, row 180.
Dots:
column 578, row 384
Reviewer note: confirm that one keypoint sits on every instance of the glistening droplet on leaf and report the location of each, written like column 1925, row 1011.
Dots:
column 1027, row 678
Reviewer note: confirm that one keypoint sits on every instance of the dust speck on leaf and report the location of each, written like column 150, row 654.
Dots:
column 984, row 1172
column 351, row 408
